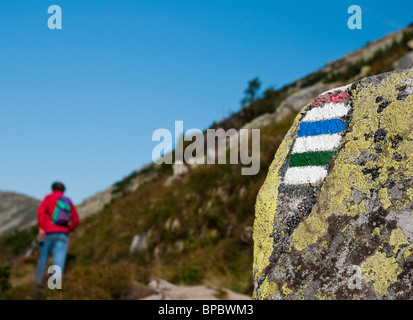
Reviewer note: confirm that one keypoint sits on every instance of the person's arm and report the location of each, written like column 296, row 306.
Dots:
column 75, row 218
column 41, row 217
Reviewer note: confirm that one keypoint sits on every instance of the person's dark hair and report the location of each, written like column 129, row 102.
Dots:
column 58, row 186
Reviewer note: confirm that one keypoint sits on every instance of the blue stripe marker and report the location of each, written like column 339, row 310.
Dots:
column 321, row 127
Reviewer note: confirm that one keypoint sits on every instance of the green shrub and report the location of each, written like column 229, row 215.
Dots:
column 5, row 271
column 18, row 241
column 97, row 282
column 190, row 275
column 313, row 79
column 381, row 61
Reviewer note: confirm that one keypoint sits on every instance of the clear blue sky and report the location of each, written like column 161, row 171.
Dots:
column 80, row 104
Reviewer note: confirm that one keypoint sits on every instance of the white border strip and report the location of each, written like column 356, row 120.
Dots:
column 328, row 111
column 324, row 142
column 308, row 174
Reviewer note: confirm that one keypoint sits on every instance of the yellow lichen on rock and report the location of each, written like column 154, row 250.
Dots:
column 266, row 290
column 346, row 176
column 324, row 296
column 397, row 239
column 409, row 193
column 376, row 231
column 286, row 291
column 309, row 232
column 384, row 197
column 381, row 271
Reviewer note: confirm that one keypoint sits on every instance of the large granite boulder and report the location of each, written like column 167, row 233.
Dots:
column 334, row 216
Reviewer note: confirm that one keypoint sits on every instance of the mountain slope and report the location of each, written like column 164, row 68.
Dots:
column 376, row 57
column 195, row 228
column 17, row 211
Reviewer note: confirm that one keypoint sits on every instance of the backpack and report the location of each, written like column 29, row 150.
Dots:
column 62, row 214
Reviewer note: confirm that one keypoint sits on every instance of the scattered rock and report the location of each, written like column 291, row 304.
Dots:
column 139, row 243
column 179, row 170
column 136, row 291
column 172, row 224
column 404, row 62
column 365, row 71
column 168, row 291
column 246, row 235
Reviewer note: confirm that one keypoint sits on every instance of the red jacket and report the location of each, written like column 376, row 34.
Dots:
column 44, row 216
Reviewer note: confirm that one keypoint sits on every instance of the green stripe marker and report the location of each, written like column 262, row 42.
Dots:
column 320, row 158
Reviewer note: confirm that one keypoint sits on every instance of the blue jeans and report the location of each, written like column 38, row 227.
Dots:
column 56, row 242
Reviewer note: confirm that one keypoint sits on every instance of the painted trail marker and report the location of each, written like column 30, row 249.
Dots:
column 318, row 138
column 309, row 161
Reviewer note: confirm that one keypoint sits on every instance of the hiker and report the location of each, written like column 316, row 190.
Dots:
column 57, row 216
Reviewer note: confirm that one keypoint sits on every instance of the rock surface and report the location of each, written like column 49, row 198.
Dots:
column 139, row 243
column 96, row 203
column 334, row 216
column 404, row 62
column 168, row 291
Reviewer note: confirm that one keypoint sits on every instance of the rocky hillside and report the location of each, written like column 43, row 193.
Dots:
column 17, row 211
column 189, row 225
column 390, row 52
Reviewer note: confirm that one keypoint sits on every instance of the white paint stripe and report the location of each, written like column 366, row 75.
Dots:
column 327, row 111
column 324, row 142
column 308, row 174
